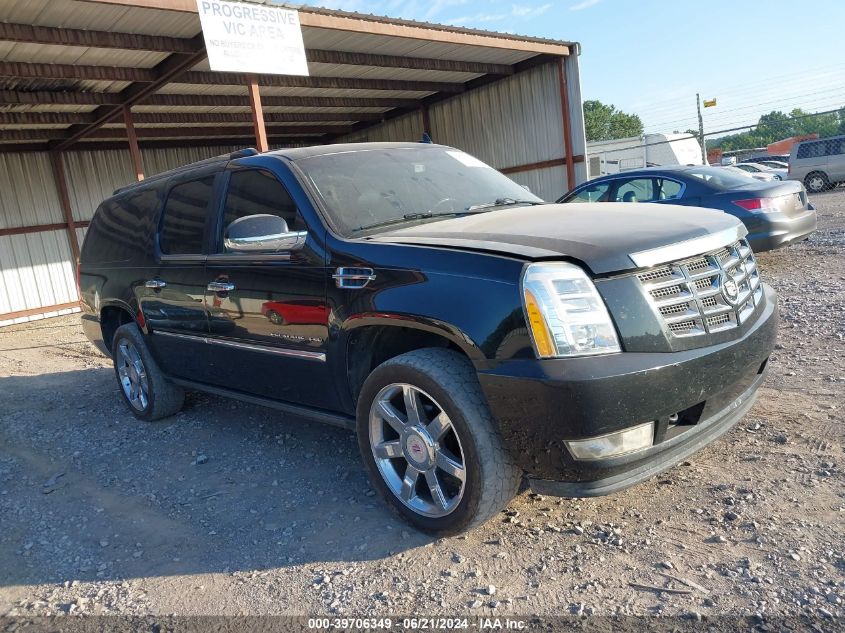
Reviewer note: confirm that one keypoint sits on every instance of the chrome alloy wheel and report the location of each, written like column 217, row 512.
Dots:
column 417, row 450
column 132, row 375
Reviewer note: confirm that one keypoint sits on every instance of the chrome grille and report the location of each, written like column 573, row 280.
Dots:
column 690, row 295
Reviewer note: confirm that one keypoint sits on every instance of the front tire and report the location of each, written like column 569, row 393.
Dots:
column 145, row 389
column 817, row 182
column 430, row 445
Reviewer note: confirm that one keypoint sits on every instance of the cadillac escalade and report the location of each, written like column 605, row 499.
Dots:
column 472, row 335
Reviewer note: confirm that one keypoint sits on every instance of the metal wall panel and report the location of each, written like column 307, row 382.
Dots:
column 159, row 160
column 27, row 191
column 93, row 176
column 404, row 128
column 548, row 183
column 35, row 270
column 576, row 116
column 514, row 121
column 80, row 235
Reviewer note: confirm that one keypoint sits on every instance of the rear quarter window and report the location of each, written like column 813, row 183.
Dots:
column 121, row 228
column 184, row 218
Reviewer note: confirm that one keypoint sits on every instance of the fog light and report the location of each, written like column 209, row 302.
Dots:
column 613, row 444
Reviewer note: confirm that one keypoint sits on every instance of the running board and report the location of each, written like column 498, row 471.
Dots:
column 318, row 415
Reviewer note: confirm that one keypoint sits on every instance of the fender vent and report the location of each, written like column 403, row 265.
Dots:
column 353, row 278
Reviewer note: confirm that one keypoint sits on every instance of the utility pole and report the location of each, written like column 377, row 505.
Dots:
column 700, row 129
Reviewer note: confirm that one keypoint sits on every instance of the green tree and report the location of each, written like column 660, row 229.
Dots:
column 606, row 123
column 776, row 125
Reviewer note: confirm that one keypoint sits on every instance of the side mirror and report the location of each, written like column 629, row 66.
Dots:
column 527, row 188
column 262, row 233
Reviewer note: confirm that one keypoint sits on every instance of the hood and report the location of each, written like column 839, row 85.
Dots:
column 602, row 236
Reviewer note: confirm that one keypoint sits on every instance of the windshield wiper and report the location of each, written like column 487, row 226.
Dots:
column 476, row 208
column 502, row 202
column 408, row 217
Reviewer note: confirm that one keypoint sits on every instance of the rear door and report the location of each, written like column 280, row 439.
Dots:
column 268, row 317
column 172, row 300
column 836, row 159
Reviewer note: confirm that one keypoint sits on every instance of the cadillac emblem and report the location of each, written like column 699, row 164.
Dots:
column 730, row 289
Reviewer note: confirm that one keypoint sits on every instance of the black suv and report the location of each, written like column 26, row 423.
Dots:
column 469, row 332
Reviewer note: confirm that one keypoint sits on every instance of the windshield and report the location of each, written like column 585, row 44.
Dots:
column 723, row 178
column 372, row 189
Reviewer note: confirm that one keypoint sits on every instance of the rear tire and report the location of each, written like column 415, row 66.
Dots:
column 817, row 181
column 444, row 441
column 275, row 318
column 145, row 389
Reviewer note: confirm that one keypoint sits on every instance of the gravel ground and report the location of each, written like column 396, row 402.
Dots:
column 233, row 509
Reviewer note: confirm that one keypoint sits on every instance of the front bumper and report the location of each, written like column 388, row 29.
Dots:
column 777, row 230
column 538, row 405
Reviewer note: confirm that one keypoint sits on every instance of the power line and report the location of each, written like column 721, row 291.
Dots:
column 839, row 90
column 829, row 101
column 725, row 131
column 747, row 87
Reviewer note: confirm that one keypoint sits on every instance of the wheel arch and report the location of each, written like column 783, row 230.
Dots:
column 112, row 316
column 370, row 340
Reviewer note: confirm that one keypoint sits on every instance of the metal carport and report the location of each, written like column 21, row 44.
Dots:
column 96, row 93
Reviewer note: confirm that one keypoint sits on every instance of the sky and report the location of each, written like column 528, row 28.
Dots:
column 651, row 57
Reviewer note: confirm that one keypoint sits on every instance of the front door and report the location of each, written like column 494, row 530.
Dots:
column 172, row 300
column 268, row 317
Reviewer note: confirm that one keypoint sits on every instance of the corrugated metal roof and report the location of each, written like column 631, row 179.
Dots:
column 54, row 54
column 399, row 21
column 71, row 14
column 336, row 35
column 405, row 47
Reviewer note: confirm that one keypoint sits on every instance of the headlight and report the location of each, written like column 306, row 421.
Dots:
column 566, row 314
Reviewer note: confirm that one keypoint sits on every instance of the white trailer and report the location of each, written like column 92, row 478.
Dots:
column 611, row 157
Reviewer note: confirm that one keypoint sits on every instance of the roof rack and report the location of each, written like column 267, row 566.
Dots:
column 222, row 158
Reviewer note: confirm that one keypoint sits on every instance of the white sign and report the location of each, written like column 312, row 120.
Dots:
column 244, row 37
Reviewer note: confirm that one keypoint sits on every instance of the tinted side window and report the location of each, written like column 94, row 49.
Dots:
column 253, row 192
column 835, row 147
column 121, row 227
column 636, row 190
column 183, row 220
column 668, row 189
column 592, row 193
column 812, row 150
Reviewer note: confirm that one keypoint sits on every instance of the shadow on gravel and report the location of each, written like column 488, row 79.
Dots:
column 88, row 492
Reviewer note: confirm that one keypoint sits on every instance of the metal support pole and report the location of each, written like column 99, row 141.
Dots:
column 426, row 120
column 700, row 129
column 567, row 126
column 134, row 150
column 64, row 200
column 257, row 113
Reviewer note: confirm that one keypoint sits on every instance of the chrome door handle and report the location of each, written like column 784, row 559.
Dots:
column 155, row 284
column 220, row 286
